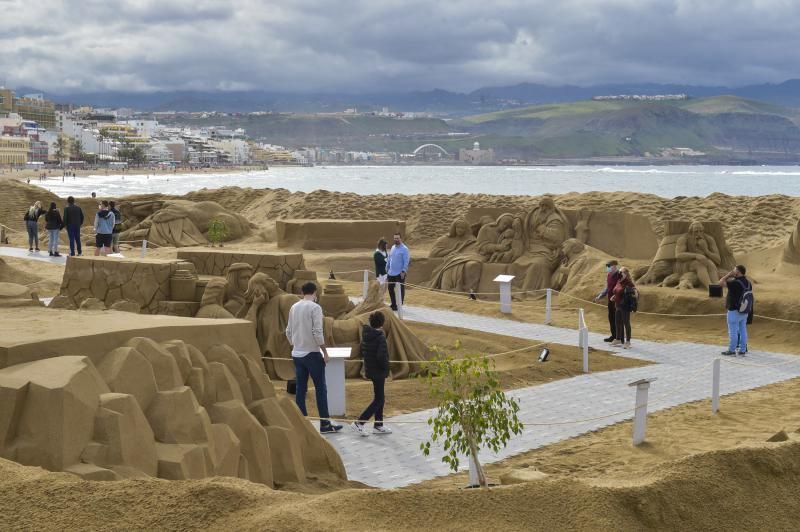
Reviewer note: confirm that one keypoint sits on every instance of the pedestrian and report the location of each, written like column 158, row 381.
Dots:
column 739, row 305
column 379, row 257
column 309, row 354
column 375, row 354
column 73, row 220
column 612, row 276
column 397, row 268
column 103, row 227
column 117, row 226
column 625, row 297
column 32, row 224
column 54, row 224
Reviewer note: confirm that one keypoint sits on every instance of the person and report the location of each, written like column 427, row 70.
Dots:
column 73, row 220
column 304, row 332
column 32, row 224
column 737, row 284
column 379, row 257
column 117, row 226
column 53, row 223
column 103, row 227
column 397, row 268
column 375, row 353
column 612, row 276
column 624, row 297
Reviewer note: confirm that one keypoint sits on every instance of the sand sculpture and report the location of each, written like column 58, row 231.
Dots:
column 575, row 262
column 162, row 410
column 267, row 306
column 791, row 250
column 178, row 223
column 334, row 234
column 237, row 277
column 281, row 266
column 529, row 249
column 17, row 295
column 301, row 277
column 691, row 255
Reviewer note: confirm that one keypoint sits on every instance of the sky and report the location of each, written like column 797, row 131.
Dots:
column 73, row 46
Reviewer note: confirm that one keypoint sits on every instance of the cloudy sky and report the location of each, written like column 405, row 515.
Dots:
column 372, row 45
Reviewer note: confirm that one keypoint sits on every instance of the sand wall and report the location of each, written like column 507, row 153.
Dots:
column 335, row 234
column 280, row 266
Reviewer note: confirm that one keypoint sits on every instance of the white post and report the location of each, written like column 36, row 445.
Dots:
column 398, row 294
column 640, row 416
column 581, row 326
column 473, row 472
column 715, row 387
column 585, row 346
column 505, row 292
column 366, row 283
column 548, row 307
column 144, row 248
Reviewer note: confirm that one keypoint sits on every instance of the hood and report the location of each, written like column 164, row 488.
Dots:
column 103, row 214
column 369, row 334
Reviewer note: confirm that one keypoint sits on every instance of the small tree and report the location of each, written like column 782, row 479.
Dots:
column 472, row 410
column 217, row 231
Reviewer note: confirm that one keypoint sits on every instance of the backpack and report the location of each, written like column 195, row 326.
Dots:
column 629, row 300
column 747, row 299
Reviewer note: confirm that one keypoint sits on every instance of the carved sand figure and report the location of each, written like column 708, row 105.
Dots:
column 462, row 271
column 211, row 304
column 582, row 230
column 546, row 228
column 514, row 238
column 238, row 277
column 268, row 307
column 457, row 240
column 573, row 263
column 697, row 252
column 791, row 250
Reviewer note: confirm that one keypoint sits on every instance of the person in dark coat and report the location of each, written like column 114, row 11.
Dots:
column 73, row 220
column 375, row 353
column 53, row 223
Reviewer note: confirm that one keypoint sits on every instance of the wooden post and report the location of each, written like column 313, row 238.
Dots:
column 715, row 387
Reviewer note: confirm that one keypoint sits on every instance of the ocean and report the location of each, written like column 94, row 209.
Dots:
column 666, row 181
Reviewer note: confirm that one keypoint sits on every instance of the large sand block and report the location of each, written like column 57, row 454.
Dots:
column 335, row 234
column 151, row 405
column 280, row 266
column 619, row 234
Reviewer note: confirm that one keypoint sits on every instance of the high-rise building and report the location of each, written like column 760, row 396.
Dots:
column 32, row 107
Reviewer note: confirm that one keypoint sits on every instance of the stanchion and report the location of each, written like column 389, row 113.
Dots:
column 398, row 294
column 640, row 417
column 583, row 339
column 144, row 248
column 366, row 283
column 505, row 292
column 548, row 309
column 715, row 387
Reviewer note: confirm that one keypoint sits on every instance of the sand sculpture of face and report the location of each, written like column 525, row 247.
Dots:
column 261, row 284
column 696, row 229
column 215, row 290
column 239, row 275
column 505, row 221
column 572, row 247
column 459, row 228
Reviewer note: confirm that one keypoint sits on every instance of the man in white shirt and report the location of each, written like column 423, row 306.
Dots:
column 304, row 332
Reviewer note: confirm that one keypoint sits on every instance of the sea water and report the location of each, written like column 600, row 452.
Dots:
column 666, row 181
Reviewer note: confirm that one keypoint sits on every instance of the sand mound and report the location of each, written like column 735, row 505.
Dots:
column 741, row 489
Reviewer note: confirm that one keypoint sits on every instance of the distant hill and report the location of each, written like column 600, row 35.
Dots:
column 723, row 127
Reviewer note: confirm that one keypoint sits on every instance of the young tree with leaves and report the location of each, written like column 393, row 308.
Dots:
column 473, row 410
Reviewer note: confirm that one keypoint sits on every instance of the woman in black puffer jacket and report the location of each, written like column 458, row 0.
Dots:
column 53, row 223
column 375, row 353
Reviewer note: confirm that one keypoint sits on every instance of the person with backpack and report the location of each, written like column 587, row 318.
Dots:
column 626, row 300
column 739, row 305
column 117, row 231
column 73, row 220
column 54, row 224
column 31, row 218
column 375, row 353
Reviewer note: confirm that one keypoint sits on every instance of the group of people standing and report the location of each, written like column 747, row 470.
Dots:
column 391, row 267
column 107, row 227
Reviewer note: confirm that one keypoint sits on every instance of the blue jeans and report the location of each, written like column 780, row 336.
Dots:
column 33, row 233
column 74, row 234
column 312, row 364
column 737, row 331
column 52, row 240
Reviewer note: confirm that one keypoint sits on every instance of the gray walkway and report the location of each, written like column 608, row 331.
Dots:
column 683, row 371
column 40, row 256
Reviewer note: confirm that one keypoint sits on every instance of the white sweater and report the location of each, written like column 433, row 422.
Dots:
column 304, row 330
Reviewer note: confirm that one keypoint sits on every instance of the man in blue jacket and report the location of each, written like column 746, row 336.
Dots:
column 103, row 227
column 399, row 259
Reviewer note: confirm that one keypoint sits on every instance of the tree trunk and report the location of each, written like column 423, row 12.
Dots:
column 473, row 449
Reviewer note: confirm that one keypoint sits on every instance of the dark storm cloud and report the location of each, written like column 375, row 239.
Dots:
column 361, row 45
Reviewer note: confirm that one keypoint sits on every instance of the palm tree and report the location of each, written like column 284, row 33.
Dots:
column 78, row 147
column 61, row 145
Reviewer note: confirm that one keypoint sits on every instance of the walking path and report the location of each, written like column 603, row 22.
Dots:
column 683, row 370
column 40, row 256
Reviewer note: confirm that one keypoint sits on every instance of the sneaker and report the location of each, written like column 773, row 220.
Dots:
column 393, row 308
column 330, row 429
column 30, row 250
column 37, row 249
column 51, row 253
column 360, row 428
column 742, row 353
column 615, row 342
column 609, row 339
column 381, row 429
column 627, row 345
column 728, row 353
column 56, row 254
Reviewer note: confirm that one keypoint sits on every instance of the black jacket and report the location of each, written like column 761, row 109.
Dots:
column 375, row 353
column 52, row 220
column 36, row 214
column 73, row 215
